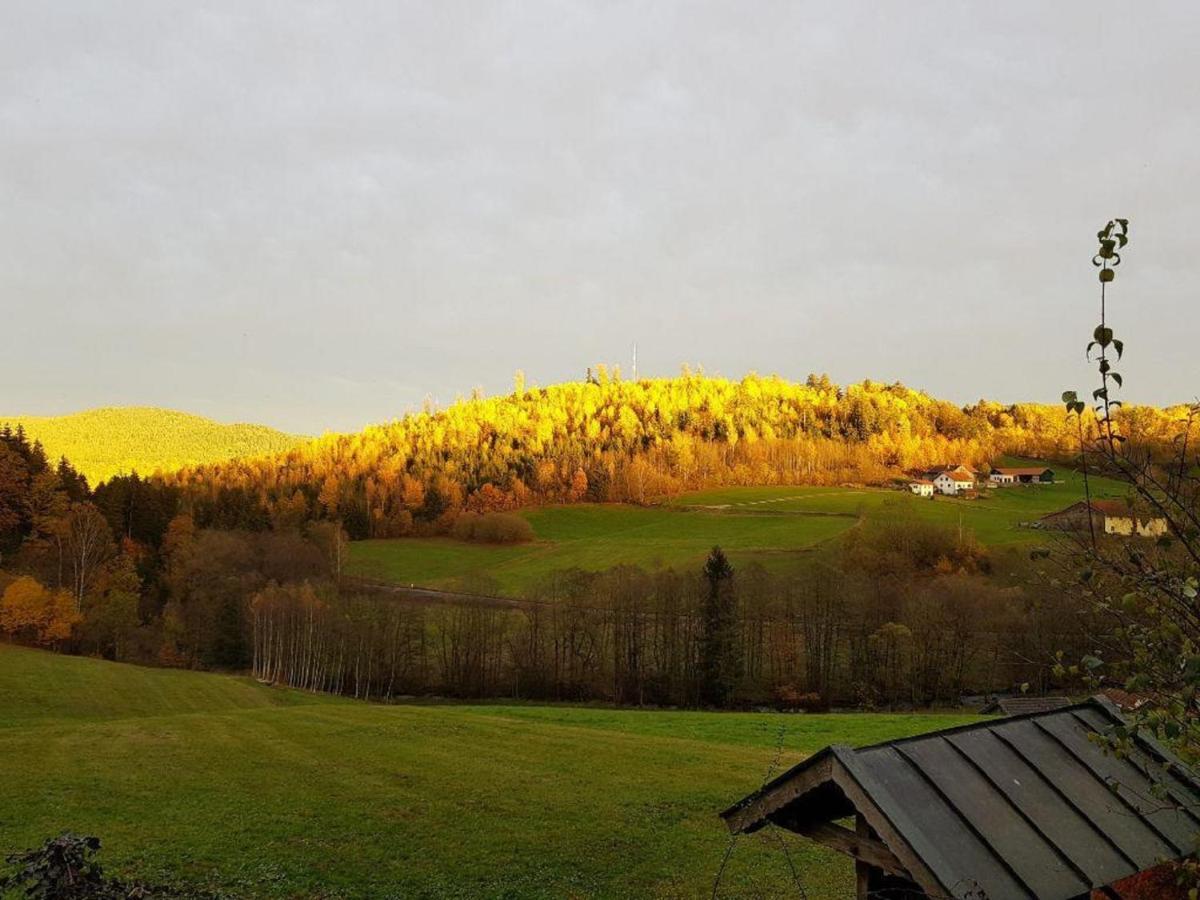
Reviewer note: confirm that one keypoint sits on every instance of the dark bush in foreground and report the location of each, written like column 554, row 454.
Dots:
column 492, row 528
column 65, row 868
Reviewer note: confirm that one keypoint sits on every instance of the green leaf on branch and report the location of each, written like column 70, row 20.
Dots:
column 1103, row 335
column 1119, row 346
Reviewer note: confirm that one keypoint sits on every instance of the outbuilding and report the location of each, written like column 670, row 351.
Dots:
column 1022, row 704
column 1021, row 475
column 922, row 487
column 1030, row 806
column 1115, row 517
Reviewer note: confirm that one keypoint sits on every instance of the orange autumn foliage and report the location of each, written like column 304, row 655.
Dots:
column 637, row 441
column 31, row 611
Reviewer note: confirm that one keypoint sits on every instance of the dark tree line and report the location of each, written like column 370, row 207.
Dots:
column 812, row 639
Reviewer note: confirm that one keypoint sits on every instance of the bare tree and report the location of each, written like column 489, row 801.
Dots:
column 88, row 544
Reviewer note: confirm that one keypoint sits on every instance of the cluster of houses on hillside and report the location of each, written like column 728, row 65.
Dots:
column 958, row 479
column 1114, row 517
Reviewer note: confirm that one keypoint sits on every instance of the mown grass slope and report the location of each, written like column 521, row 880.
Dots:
column 117, row 440
column 254, row 791
column 594, row 537
column 774, row 526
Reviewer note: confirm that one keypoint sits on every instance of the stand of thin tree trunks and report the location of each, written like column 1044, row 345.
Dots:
column 812, row 641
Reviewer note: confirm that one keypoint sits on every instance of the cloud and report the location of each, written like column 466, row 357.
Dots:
column 239, row 198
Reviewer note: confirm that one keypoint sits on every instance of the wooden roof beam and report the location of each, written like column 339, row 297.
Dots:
column 872, row 852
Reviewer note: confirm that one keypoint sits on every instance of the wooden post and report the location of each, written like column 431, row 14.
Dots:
column 862, row 871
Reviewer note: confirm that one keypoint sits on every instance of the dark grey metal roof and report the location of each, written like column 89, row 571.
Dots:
column 1021, row 807
column 1023, row 705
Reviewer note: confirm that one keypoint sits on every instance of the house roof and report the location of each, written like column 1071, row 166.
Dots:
column 1021, row 807
column 1107, row 507
column 954, row 467
column 1022, row 470
column 1019, row 706
column 921, row 481
column 1126, row 700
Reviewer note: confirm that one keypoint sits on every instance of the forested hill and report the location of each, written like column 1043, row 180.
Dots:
column 605, row 439
column 104, row 442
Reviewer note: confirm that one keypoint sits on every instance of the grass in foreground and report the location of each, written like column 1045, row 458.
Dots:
column 224, row 783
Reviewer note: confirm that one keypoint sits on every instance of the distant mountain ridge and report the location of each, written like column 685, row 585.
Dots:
column 115, row 440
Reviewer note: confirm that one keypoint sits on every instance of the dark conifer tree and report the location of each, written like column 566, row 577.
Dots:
column 718, row 651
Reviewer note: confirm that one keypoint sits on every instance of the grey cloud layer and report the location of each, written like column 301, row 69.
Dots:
column 315, row 214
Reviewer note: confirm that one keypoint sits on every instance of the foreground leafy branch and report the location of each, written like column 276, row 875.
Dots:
column 1150, row 588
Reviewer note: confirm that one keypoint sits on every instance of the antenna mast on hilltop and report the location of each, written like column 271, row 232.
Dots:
column 635, row 360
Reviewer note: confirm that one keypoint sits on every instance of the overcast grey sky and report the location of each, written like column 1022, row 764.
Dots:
column 313, row 215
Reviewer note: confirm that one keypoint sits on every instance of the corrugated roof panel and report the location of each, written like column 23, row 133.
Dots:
column 1048, row 810
column 969, row 862
column 1125, row 781
column 1089, row 794
column 1184, row 793
column 994, row 820
column 1023, row 706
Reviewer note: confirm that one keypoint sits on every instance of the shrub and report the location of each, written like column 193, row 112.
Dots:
column 492, row 528
column 65, row 868
column 788, row 697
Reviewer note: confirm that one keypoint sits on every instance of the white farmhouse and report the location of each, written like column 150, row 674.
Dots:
column 922, row 487
column 951, row 483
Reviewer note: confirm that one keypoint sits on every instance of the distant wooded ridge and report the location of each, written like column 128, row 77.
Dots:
column 605, row 439
column 101, row 443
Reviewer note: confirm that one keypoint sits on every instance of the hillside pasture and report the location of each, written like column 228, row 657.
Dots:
column 594, row 537
column 771, row 525
column 219, row 782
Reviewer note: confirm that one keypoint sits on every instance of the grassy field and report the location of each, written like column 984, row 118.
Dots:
column 595, row 536
column 220, row 782
column 771, row 525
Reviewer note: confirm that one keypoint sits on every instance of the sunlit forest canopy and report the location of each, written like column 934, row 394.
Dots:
column 608, row 439
column 101, row 443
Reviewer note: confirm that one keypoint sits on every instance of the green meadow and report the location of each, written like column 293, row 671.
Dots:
column 773, row 526
column 596, row 536
column 220, row 783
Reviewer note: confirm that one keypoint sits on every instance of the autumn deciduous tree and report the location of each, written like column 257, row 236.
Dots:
column 331, row 538
column 88, row 544
column 110, row 617
column 13, row 479
column 28, row 611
